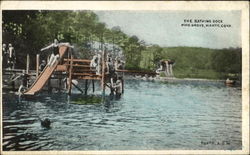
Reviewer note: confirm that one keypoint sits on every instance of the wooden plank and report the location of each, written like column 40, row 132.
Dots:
column 86, row 77
column 37, row 64
column 61, row 68
column 86, row 74
column 78, row 60
column 84, row 70
column 77, row 65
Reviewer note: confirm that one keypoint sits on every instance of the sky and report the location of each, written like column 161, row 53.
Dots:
column 164, row 27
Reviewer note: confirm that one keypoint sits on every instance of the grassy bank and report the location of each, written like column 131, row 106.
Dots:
column 194, row 62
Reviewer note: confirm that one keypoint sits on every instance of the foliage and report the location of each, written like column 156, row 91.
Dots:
column 195, row 62
column 29, row 31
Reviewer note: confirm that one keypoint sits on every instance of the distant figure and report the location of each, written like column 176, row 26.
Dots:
column 169, row 64
column 112, row 83
column 166, row 66
column 162, row 67
column 118, row 63
column 5, row 55
column 99, row 66
column 95, row 64
column 12, row 57
column 110, row 66
column 42, row 65
column 229, row 82
column 118, row 86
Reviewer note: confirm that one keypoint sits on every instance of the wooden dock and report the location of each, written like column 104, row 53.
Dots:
column 70, row 68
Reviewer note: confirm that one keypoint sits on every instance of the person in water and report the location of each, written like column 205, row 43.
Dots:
column 25, row 81
column 118, row 86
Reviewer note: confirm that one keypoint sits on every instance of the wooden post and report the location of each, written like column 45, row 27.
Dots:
column 93, row 85
column 103, row 72
column 60, row 82
column 28, row 64
column 86, row 87
column 77, row 88
column 122, row 85
column 13, row 85
column 70, row 74
column 37, row 65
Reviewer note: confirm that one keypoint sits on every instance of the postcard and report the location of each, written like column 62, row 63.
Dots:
column 124, row 77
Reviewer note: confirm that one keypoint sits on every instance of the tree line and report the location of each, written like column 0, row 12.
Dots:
column 30, row 30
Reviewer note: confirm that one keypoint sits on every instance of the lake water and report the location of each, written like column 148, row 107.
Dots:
column 148, row 116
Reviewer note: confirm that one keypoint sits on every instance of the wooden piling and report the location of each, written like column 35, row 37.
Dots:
column 37, row 64
column 86, row 87
column 103, row 73
column 60, row 82
column 70, row 74
column 93, row 85
column 122, row 86
column 28, row 64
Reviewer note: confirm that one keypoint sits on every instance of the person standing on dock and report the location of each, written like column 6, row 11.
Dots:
column 110, row 65
column 95, row 64
column 12, row 57
column 5, row 55
column 119, row 65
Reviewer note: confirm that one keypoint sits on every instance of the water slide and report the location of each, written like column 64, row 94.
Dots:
column 45, row 75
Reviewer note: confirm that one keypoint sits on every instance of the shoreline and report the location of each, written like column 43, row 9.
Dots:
column 174, row 79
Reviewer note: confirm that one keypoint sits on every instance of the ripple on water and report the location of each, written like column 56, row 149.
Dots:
column 149, row 115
